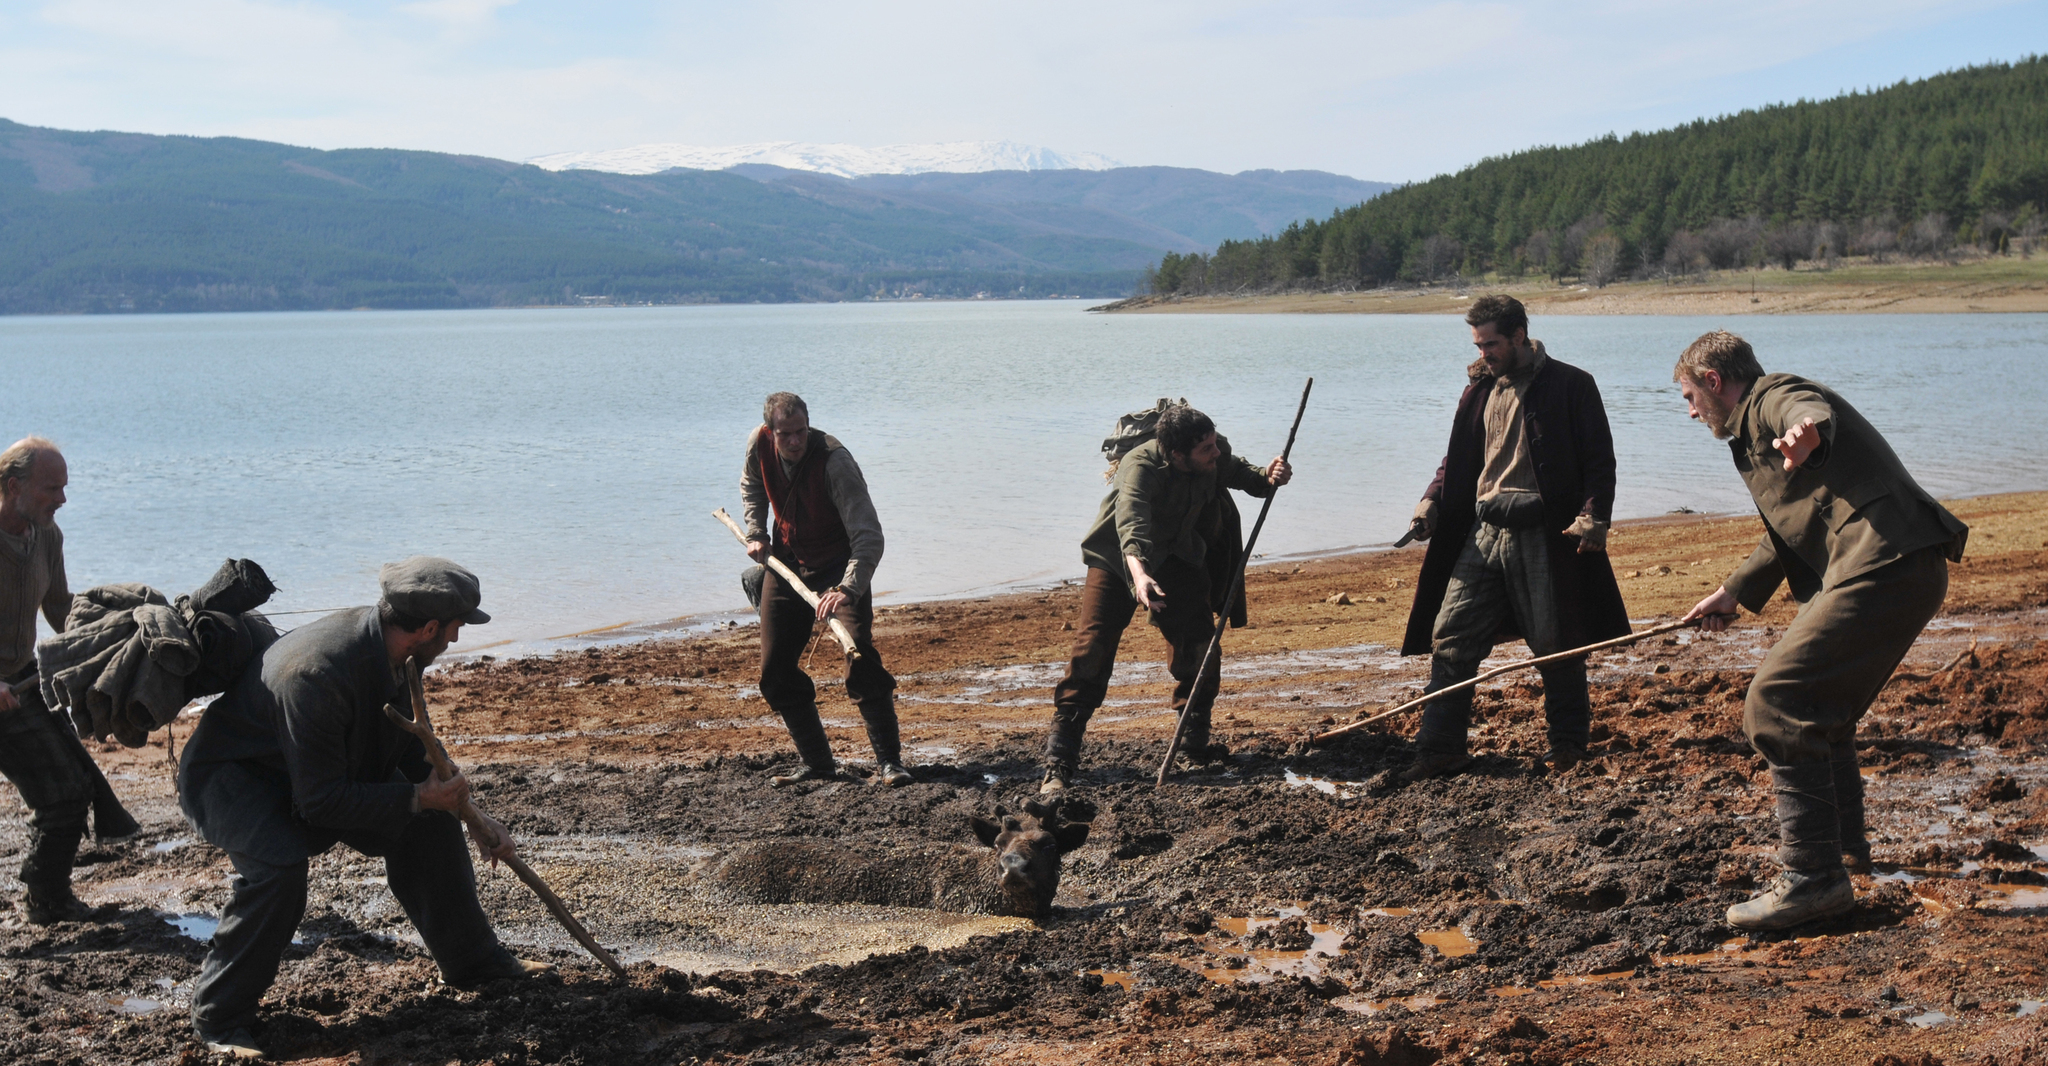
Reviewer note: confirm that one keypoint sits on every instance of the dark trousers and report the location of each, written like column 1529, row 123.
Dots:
column 427, row 868
column 1106, row 609
column 787, row 624
column 1814, row 686
column 1502, row 577
column 46, row 765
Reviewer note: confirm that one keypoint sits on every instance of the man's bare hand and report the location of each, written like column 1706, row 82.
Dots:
column 829, row 604
column 504, row 846
column 757, row 550
column 8, row 701
column 438, row 795
column 1714, row 612
column 1278, row 472
column 1147, row 590
column 1797, row 444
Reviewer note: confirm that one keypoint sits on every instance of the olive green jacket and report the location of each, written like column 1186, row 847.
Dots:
column 1158, row 513
column 1849, row 509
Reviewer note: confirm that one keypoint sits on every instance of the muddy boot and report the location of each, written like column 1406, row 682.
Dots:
column 1561, row 758
column 1814, row 884
column 1063, row 750
column 885, row 739
column 1195, row 745
column 1567, row 710
column 1849, row 806
column 1796, row 897
column 46, row 876
column 812, row 747
column 1430, row 764
column 234, row 1045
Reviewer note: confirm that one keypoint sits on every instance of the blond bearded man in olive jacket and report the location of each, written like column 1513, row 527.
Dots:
column 1865, row 551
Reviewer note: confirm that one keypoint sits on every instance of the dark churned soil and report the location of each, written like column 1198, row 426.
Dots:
column 1291, row 904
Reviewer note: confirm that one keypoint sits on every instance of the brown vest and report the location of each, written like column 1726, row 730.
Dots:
column 807, row 525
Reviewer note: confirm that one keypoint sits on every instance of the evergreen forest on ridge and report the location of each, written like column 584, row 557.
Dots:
column 1918, row 169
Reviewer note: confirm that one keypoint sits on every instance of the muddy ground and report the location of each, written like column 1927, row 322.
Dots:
column 1292, row 904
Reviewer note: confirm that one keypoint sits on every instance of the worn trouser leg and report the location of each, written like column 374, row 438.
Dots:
column 254, row 930
column 1809, row 822
column 868, row 683
column 428, row 869
column 38, row 759
column 786, row 626
column 1821, row 676
column 1501, row 577
column 1188, row 625
column 1848, row 777
column 1106, row 609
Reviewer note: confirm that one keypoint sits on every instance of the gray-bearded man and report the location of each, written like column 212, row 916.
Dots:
column 808, row 505
column 298, row 756
column 40, row 751
column 1866, row 553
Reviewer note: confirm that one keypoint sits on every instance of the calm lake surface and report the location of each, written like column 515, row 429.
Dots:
column 572, row 457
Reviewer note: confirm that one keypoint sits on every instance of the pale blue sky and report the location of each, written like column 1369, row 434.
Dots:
column 1391, row 91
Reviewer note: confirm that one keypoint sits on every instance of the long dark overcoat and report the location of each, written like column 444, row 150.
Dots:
column 1566, row 427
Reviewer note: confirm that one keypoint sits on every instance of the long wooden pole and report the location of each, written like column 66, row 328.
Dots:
column 1525, row 664
column 839, row 630
column 421, row 726
column 1213, row 657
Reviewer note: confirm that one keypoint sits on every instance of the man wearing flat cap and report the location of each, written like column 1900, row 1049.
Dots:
column 298, row 756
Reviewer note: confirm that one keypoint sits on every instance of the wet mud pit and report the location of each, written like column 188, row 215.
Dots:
column 1289, row 905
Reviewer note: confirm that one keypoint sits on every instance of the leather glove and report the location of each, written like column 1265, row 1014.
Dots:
column 1424, row 522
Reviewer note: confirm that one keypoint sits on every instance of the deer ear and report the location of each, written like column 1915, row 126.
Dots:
column 985, row 830
column 1071, row 835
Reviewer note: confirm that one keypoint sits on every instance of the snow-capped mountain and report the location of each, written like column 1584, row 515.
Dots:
column 844, row 160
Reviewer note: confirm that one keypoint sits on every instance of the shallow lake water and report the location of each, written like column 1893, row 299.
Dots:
column 572, row 457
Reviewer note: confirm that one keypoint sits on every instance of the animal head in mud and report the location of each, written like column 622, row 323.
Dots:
column 1028, row 850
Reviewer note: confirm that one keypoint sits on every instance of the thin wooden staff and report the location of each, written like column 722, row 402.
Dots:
column 421, row 726
column 1215, row 652
column 1575, row 653
column 839, row 630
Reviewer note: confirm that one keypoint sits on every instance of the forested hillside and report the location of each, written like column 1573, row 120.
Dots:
column 120, row 222
column 1911, row 169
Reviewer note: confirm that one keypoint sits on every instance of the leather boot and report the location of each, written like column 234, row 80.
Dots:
column 1445, row 721
column 812, row 746
column 46, row 876
column 1567, row 708
column 1062, row 750
column 1814, row 884
column 1848, row 776
column 885, row 738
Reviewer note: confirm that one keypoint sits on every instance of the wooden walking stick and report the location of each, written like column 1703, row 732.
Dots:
column 839, row 630
column 421, row 726
column 1212, row 659
column 1353, row 727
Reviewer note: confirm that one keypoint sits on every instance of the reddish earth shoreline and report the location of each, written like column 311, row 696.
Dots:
column 1589, row 903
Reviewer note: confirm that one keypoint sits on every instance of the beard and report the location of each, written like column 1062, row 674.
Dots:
column 1713, row 413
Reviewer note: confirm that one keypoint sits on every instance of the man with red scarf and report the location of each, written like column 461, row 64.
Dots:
column 824, row 528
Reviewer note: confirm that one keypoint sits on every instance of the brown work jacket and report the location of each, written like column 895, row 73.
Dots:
column 1565, row 425
column 1849, row 509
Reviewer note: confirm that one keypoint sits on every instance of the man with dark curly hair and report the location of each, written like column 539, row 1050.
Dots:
column 1165, row 538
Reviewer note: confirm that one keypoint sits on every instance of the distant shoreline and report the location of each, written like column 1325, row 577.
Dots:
column 1997, row 285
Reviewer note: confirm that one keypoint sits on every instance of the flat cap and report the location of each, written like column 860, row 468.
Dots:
column 429, row 587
